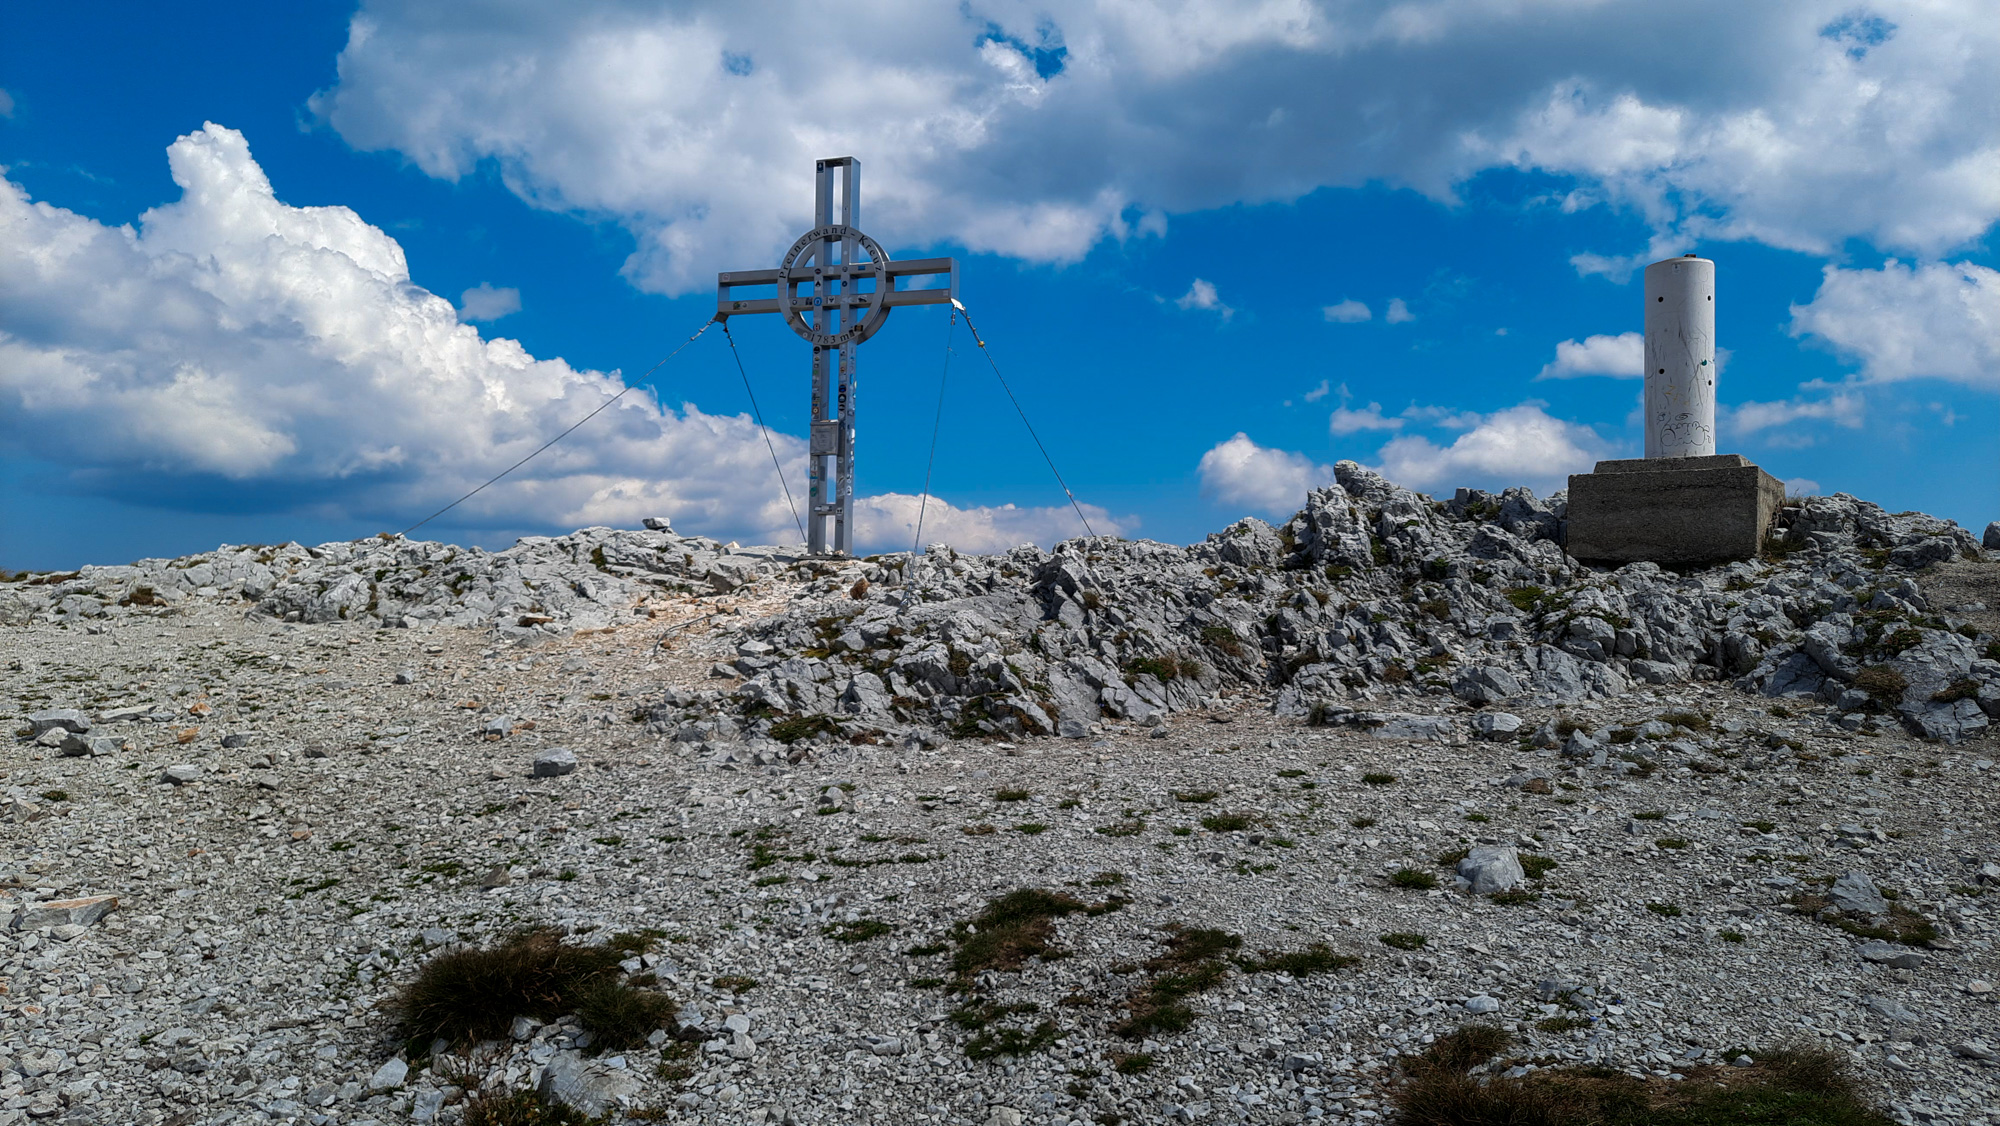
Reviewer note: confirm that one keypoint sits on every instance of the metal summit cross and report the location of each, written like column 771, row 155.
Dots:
column 835, row 288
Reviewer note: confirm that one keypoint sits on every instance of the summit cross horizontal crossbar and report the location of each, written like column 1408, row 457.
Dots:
column 835, row 288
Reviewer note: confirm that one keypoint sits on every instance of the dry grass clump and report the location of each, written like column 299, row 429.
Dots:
column 475, row 994
column 1016, row 926
column 1193, row 963
column 1790, row 1087
column 524, row 1108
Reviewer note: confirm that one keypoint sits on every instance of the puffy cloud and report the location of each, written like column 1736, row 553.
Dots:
column 1012, row 130
column 1521, row 445
column 6, row 104
column 1399, row 313
column 1842, row 408
column 1238, row 471
column 1202, row 295
column 1801, row 487
column 1908, row 322
column 1347, row 312
column 1320, row 392
column 1622, row 357
column 280, row 357
column 1346, row 421
column 484, row 302
column 888, row 522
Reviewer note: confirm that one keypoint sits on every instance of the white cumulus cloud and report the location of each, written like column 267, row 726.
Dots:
column 1621, row 357
column 280, row 357
column 1202, row 295
column 1038, row 132
column 1347, row 312
column 1318, row 393
column 1238, row 471
column 1906, row 322
column 889, row 522
column 1398, row 312
column 485, row 302
column 1347, row 421
column 1521, row 445
column 1841, row 408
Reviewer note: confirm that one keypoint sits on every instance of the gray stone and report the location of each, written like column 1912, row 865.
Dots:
column 555, row 762
column 1496, row 725
column 1481, row 1005
column 1392, row 725
column 658, row 524
column 1977, row 1049
column 406, row 676
column 1657, row 672
column 1991, row 540
column 1681, row 511
column 1890, row 1008
column 1491, row 868
column 1854, row 892
column 390, row 1075
column 89, row 746
column 67, row 912
column 497, row 725
column 235, row 740
column 181, row 774
column 1485, row 684
column 67, row 719
column 1891, row 955
column 589, row 1086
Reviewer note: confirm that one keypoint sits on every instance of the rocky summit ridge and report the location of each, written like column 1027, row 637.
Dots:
column 1372, row 592
column 1118, row 832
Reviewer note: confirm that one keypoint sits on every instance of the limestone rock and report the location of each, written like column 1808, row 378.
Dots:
column 67, row 719
column 390, row 1075
column 588, row 1085
column 1855, row 893
column 555, row 762
column 67, row 912
column 1491, row 868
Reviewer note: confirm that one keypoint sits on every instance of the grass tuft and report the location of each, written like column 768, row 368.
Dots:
column 1793, row 1087
column 1414, row 878
column 1404, row 940
column 523, row 1108
column 475, row 994
column 1317, row 958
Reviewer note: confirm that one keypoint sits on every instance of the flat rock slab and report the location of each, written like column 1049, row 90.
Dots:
column 67, row 912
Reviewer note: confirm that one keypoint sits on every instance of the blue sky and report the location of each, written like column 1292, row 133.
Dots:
column 1215, row 248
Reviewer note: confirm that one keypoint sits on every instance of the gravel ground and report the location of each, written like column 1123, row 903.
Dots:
column 336, row 825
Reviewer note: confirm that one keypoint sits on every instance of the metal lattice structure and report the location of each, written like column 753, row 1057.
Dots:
column 835, row 287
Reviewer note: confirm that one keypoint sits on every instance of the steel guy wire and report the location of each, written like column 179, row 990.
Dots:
column 1024, row 416
column 937, row 424
column 782, row 483
column 552, row 441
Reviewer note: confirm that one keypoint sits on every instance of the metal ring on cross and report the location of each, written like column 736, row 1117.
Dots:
column 861, row 313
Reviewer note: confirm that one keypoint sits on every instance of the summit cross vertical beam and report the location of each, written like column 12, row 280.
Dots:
column 835, row 287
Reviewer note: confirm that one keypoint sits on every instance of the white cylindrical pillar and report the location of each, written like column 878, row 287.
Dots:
column 1680, row 358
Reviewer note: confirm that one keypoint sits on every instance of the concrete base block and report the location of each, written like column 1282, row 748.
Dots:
column 1674, row 511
